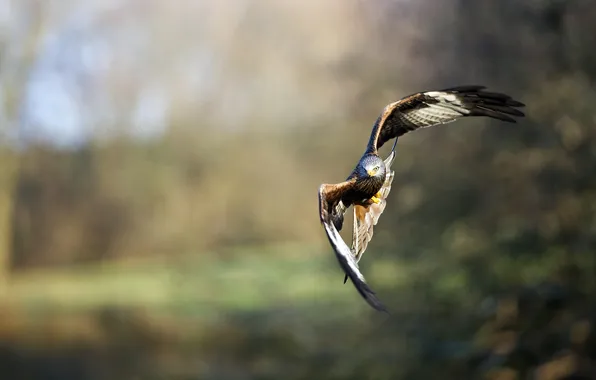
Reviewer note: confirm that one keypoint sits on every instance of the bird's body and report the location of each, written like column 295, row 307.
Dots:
column 366, row 183
column 368, row 186
column 366, row 179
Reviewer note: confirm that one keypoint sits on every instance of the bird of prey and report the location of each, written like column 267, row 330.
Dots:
column 367, row 187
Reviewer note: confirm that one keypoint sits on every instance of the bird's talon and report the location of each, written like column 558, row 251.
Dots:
column 375, row 199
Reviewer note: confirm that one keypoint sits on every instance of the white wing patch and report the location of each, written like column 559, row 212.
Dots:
column 344, row 254
column 448, row 109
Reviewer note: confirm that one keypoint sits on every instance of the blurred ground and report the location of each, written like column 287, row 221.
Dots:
column 158, row 175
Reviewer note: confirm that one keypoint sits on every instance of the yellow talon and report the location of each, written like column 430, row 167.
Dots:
column 375, row 199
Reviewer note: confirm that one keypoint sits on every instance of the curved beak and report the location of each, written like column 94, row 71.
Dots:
column 371, row 172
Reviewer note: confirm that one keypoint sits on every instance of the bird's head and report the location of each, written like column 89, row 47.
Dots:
column 371, row 167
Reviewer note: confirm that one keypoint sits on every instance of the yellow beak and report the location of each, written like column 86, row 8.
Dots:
column 371, row 172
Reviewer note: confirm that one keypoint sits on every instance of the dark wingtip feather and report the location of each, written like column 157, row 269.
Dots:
column 464, row 88
column 485, row 103
column 369, row 295
column 506, row 109
column 344, row 258
column 515, row 103
column 479, row 111
column 365, row 291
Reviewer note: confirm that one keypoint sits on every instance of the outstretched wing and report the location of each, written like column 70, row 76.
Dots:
column 426, row 109
column 365, row 217
column 329, row 199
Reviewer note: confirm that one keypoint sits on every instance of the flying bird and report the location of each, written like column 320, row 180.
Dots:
column 369, row 184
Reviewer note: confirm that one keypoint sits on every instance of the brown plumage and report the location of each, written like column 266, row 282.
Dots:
column 367, row 217
column 368, row 186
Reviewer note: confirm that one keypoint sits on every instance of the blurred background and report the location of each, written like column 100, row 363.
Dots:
column 159, row 167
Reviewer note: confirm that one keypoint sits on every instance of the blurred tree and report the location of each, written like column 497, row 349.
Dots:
column 486, row 249
column 26, row 26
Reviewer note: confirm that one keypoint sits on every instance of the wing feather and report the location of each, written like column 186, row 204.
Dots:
column 329, row 197
column 366, row 217
column 426, row 109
